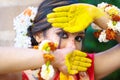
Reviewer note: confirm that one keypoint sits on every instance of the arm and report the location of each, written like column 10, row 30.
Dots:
column 16, row 59
column 11, row 76
column 107, row 62
column 102, row 21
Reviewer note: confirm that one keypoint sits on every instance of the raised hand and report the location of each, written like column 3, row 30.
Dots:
column 75, row 17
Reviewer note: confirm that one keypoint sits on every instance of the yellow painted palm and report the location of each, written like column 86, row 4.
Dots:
column 77, row 61
column 75, row 17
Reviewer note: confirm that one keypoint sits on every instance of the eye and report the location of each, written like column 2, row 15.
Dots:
column 63, row 35
column 78, row 38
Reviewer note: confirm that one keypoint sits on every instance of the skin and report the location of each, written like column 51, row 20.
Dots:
column 107, row 57
column 13, row 62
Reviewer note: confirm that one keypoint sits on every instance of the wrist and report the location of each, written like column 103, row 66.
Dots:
column 55, row 62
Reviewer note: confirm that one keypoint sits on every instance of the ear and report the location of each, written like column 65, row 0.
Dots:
column 38, row 37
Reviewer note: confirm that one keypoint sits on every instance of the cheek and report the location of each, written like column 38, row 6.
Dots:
column 52, row 35
column 63, row 44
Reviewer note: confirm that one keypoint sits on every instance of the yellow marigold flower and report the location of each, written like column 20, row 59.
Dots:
column 47, row 46
column 112, row 10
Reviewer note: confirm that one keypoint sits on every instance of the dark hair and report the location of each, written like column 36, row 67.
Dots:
column 40, row 21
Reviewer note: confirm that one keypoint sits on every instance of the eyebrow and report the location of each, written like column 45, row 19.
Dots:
column 73, row 33
column 59, row 29
column 81, row 33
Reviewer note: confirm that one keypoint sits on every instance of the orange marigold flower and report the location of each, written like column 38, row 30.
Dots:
column 97, row 33
column 35, row 47
column 115, row 17
column 110, row 34
column 28, row 12
column 48, row 57
column 52, row 46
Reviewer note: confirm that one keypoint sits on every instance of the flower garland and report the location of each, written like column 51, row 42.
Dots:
column 48, row 47
column 113, row 25
column 21, row 23
column 22, row 40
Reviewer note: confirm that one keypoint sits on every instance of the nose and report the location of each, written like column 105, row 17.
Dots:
column 71, row 44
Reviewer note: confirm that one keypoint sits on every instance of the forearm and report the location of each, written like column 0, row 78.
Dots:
column 11, row 76
column 107, row 62
column 16, row 59
column 102, row 21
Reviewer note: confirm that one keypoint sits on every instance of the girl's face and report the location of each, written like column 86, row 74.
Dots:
column 67, row 39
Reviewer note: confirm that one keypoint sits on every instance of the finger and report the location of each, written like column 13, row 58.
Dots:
column 62, row 9
column 60, row 25
column 57, row 20
column 82, row 64
column 82, row 59
column 73, row 8
column 79, row 68
column 72, row 71
column 58, row 14
column 82, row 69
column 79, row 53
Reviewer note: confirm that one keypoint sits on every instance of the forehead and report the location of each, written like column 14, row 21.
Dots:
column 53, row 29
